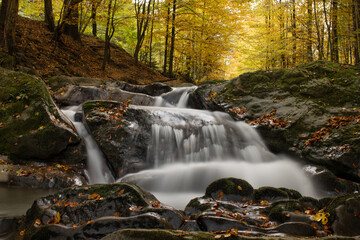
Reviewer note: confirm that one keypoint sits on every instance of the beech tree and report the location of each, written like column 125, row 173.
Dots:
column 49, row 15
column 142, row 14
column 69, row 19
column 8, row 16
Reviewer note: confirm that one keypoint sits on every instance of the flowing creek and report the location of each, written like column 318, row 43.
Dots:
column 189, row 149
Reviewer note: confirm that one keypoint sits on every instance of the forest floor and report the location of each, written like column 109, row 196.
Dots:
column 38, row 50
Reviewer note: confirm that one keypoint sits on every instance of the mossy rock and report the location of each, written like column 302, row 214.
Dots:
column 270, row 194
column 32, row 127
column 277, row 210
column 230, row 189
column 157, row 234
column 80, row 205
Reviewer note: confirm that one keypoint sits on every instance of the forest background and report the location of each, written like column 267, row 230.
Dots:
column 199, row 40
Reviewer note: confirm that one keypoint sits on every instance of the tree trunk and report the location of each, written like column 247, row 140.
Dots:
column 172, row 47
column 166, row 38
column 309, row 53
column 142, row 12
column 93, row 19
column 9, row 13
column 293, row 30
column 49, row 16
column 69, row 21
column 151, row 34
column 334, row 35
column 356, row 28
column 320, row 44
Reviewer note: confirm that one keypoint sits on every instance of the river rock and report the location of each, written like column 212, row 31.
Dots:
column 31, row 126
column 310, row 111
column 97, row 210
column 345, row 215
column 230, row 189
column 123, row 136
column 77, row 90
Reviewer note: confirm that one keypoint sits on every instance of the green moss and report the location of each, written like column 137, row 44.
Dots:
column 269, row 194
column 277, row 209
column 157, row 234
column 232, row 189
column 336, row 202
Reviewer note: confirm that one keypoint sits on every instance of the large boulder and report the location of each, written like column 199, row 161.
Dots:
column 77, row 90
column 96, row 211
column 122, row 133
column 31, row 126
column 310, row 111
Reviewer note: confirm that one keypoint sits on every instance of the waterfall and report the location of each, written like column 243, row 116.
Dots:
column 98, row 171
column 191, row 148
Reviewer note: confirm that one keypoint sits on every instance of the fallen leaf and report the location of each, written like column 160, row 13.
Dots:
column 37, row 223
column 22, row 233
column 121, row 192
column 220, row 196
column 57, row 218
column 74, row 204
column 239, row 187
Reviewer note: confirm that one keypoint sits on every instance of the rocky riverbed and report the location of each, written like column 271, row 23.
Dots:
column 310, row 112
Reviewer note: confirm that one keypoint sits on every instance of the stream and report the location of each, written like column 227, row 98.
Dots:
column 188, row 150
column 191, row 148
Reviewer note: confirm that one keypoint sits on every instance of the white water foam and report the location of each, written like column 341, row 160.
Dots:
column 98, row 171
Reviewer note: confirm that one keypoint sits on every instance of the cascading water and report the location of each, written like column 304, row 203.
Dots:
column 191, row 148
column 98, row 171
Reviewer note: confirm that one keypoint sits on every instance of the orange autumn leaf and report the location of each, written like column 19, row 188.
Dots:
column 239, row 187
column 74, row 204
column 67, row 203
column 220, row 196
column 121, row 192
column 117, row 214
column 22, row 233
column 219, row 213
column 94, row 196
column 91, row 221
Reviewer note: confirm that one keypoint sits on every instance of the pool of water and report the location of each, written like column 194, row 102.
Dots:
column 16, row 201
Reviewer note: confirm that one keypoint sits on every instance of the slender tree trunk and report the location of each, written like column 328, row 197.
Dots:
column 93, row 18
column 309, row 26
column 49, row 15
column 152, row 33
column 356, row 28
column 335, row 37
column 172, row 47
column 319, row 43
column 293, row 30
column 142, row 11
column 329, row 45
column 282, row 35
column 166, row 38
column 107, row 40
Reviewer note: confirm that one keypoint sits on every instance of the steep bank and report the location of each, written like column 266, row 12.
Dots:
column 38, row 51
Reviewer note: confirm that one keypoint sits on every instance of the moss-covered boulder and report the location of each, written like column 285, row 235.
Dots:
column 97, row 210
column 270, row 194
column 230, row 189
column 311, row 111
column 31, row 126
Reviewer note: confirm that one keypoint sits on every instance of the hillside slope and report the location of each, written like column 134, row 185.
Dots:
column 37, row 50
